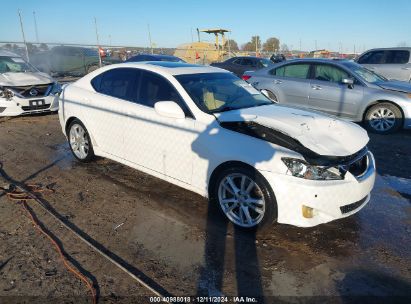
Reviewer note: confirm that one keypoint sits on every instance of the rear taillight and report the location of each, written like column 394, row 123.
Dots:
column 246, row 77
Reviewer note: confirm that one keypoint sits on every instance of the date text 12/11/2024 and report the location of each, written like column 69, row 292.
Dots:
column 199, row 299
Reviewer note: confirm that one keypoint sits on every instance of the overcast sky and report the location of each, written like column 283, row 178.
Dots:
column 327, row 24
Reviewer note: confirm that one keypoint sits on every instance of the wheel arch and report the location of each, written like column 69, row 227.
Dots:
column 70, row 120
column 229, row 164
column 381, row 101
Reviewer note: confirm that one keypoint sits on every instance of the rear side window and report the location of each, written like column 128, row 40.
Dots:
column 292, row 71
column 399, row 57
column 119, row 83
column 325, row 72
column 374, row 57
column 247, row 62
column 237, row 61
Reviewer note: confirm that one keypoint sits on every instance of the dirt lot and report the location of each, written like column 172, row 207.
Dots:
column 171, row 239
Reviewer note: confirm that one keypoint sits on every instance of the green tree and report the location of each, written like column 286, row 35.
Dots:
column 250, row 46
column 271, row 45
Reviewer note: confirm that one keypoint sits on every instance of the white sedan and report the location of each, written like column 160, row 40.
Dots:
column 206, row 130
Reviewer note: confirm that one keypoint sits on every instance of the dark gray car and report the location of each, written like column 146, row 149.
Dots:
column 338, row 87
column 239, row 65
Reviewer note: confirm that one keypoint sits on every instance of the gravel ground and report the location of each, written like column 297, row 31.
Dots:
column 171, row 238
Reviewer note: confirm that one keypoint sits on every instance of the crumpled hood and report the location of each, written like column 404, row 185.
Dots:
column 24, row 79
column 396, row 85
column 322, row 134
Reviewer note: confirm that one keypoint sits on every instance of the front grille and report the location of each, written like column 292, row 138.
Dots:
column 353, row 206
column 35, row 108
column 33, row 90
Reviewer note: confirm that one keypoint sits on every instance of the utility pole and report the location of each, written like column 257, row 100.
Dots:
column 98, row 44
column 256, row 45
column 24, row 37
column 35, row 27
column 354, row 48
column 149, row 38
column 300, row 45
column 198, row 34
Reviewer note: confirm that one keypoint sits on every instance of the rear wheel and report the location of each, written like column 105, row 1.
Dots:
column 245, row 197
column 383, row 118
column 79, row 141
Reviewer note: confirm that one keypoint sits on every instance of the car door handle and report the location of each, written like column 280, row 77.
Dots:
column 277, row 81
column 316, row 87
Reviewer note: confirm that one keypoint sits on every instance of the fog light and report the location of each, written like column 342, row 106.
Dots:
column 308, row 212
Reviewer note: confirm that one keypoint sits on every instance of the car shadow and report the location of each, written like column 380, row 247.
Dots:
column 247, row 268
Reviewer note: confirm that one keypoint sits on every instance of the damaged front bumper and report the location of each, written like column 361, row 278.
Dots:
column 15, row 105
column 307, row 203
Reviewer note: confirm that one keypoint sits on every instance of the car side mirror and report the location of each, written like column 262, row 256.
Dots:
column 348, row 81
column 169, row 109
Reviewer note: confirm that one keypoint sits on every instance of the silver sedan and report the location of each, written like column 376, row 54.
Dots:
column 338, row 87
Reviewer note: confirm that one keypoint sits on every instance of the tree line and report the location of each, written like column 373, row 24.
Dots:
column 272, row 44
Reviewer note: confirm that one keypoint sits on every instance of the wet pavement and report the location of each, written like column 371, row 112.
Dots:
column 171, row 236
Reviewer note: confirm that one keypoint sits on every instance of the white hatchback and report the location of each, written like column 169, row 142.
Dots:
column 206, row 130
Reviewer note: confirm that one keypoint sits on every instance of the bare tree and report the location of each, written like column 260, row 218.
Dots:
column 271, row 45
column 284, row 48
column 250, row 46
column 233, row 45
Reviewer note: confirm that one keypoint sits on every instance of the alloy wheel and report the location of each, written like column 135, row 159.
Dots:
column 382, row 119
column 241, row 199
column 79, row 141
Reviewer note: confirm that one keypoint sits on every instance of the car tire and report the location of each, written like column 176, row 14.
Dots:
column 80, row 142
column 259, row 202
column 383, row 118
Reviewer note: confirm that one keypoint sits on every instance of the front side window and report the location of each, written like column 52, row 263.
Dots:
column 397, row 57
column 155, row 88
column 325, row 72
column 118, row 83
column 219, row 92
column 292, row 71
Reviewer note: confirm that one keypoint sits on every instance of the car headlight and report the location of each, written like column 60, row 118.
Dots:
column 6, row 93
column 55, row 89
column 300, row 168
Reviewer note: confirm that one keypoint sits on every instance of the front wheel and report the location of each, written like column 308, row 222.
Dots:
column 383, row 118
column 245, row 197
column 79, row 141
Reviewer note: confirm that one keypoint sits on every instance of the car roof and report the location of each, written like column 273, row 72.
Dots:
column 5, row 53
column 401, row 48
column 316, row 60
column 172, row 68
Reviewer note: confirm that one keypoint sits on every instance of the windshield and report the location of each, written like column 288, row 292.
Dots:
column 219, row 92
column 365, row 74
column 15, row 65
